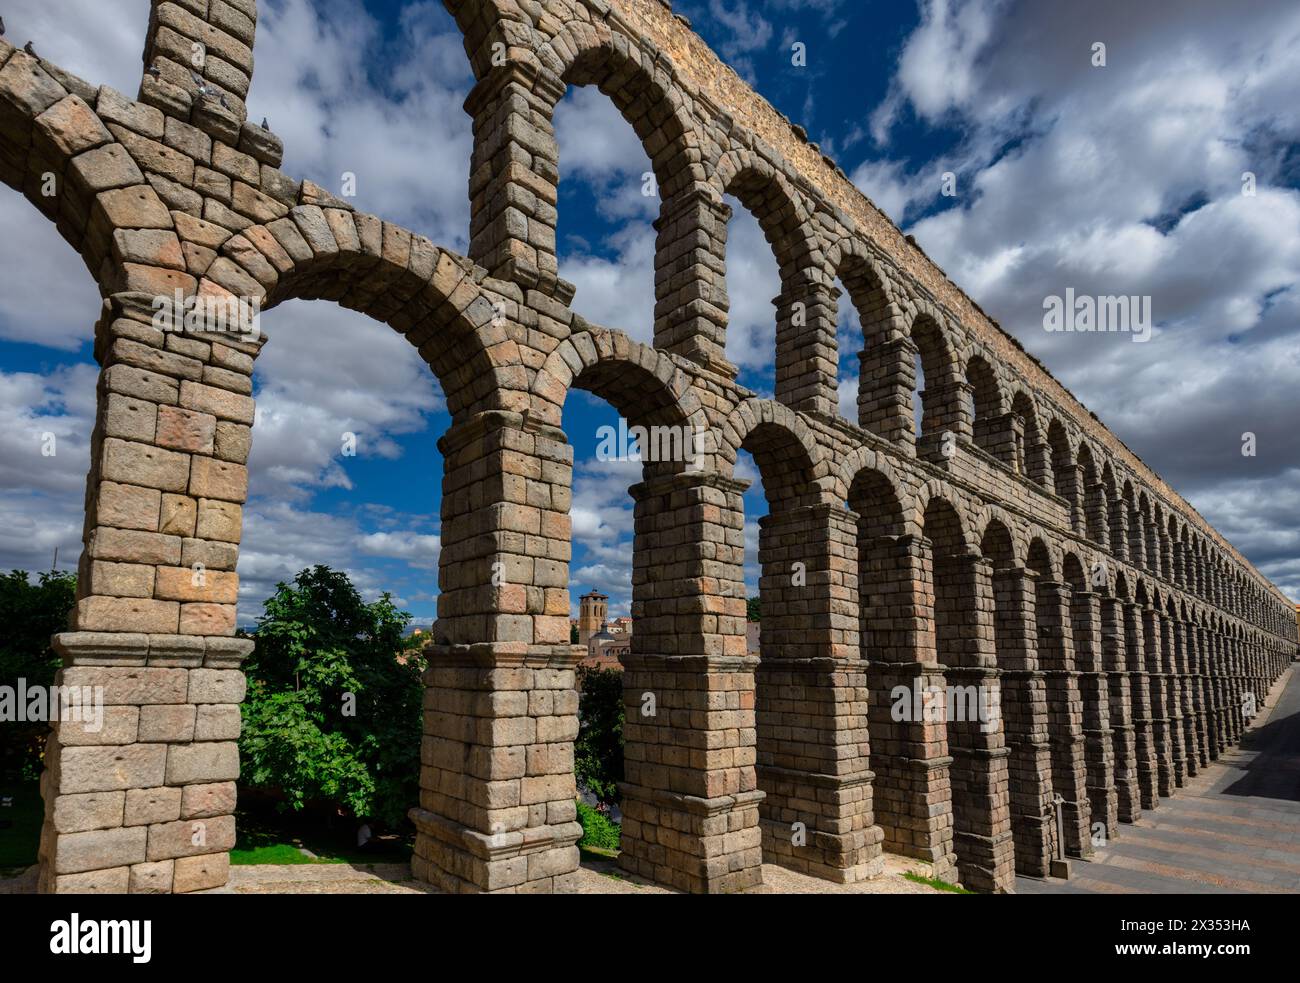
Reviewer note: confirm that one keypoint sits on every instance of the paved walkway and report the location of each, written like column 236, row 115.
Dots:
column 1234, row 828
column 595, row 877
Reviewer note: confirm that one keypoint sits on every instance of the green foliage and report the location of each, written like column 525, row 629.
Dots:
column 753, row 609
column 331, row 713
column 598, row 830
column 598, row 752
column 20, row 841
column 30, row 614
column 935, row 883
column 573, row 634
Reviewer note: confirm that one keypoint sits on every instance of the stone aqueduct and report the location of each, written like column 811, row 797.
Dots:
column 1042, row 561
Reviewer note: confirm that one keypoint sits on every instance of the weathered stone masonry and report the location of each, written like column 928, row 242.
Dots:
column 1041, row 567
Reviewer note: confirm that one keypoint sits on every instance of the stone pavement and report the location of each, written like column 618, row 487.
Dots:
column 593, row 877
column 1235, row 828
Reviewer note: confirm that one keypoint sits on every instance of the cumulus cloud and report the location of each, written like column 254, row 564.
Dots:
column 44, row 455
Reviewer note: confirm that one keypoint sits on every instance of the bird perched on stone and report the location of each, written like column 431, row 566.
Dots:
column 2, row 27
column 199, row 83
column 155, row 71
column 265, row 124
column 30, row 50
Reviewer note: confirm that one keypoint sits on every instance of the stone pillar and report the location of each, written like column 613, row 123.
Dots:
column 1068, row 481
column 217, row 44
column 146, row 803
column 496, row 810
column 1098, row 525
column 1231, row 706
column 945, row 410
column 691, row 796
column 886, row 381
column 1174, row 647
column 1154, row 643
column 964, row 632
column 1214, row 656
column 1024, row 706
column 1000, row 437
column 1140, row 693
column 1136, row 543
column 811, row 711
column 807, row 360
column 1056, row 656
column 1113, row 646
column 1238, row 688
column 1118, row 530
column 909, row 750
column 691, row 302
column 514, row 174
column 1098, row 738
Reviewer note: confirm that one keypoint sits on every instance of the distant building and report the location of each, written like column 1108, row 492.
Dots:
column 593, row 608
column 606, row 642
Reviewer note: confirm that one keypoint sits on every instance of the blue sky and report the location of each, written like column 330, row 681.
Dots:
column 1122, row 179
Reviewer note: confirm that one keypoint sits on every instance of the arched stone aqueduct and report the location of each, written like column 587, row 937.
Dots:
column 1041, row 562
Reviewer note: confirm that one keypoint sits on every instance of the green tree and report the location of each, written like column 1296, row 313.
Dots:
column 598, row 751
column 30, row 614
column 331, row 713
column 753, row 609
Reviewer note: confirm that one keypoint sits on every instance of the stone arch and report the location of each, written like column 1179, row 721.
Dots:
column 626, row 372
column 996, row 542
column 988, row 411
column 792, row 463
column 869, row 289
column 515, row 170
column 864, row 458
column 643, row 88
column 807, row 363
column 430, row 295
column 1039, row 557
column 873, row 493
column 934, row 502
column 884, row 359
column 1033, row 456
column 1093, row 506
column 943, row 406
column 1141, row 588
column 1075, row 573
column 1065, row 475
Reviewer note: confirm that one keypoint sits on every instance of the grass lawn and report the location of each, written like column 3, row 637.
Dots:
column 271, row 838
column 20, row 826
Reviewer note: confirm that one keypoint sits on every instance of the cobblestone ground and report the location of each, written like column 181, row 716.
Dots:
column 594, row 878
column 1235, row 828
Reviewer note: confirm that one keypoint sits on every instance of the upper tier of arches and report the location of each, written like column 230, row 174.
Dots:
column 982, row 394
